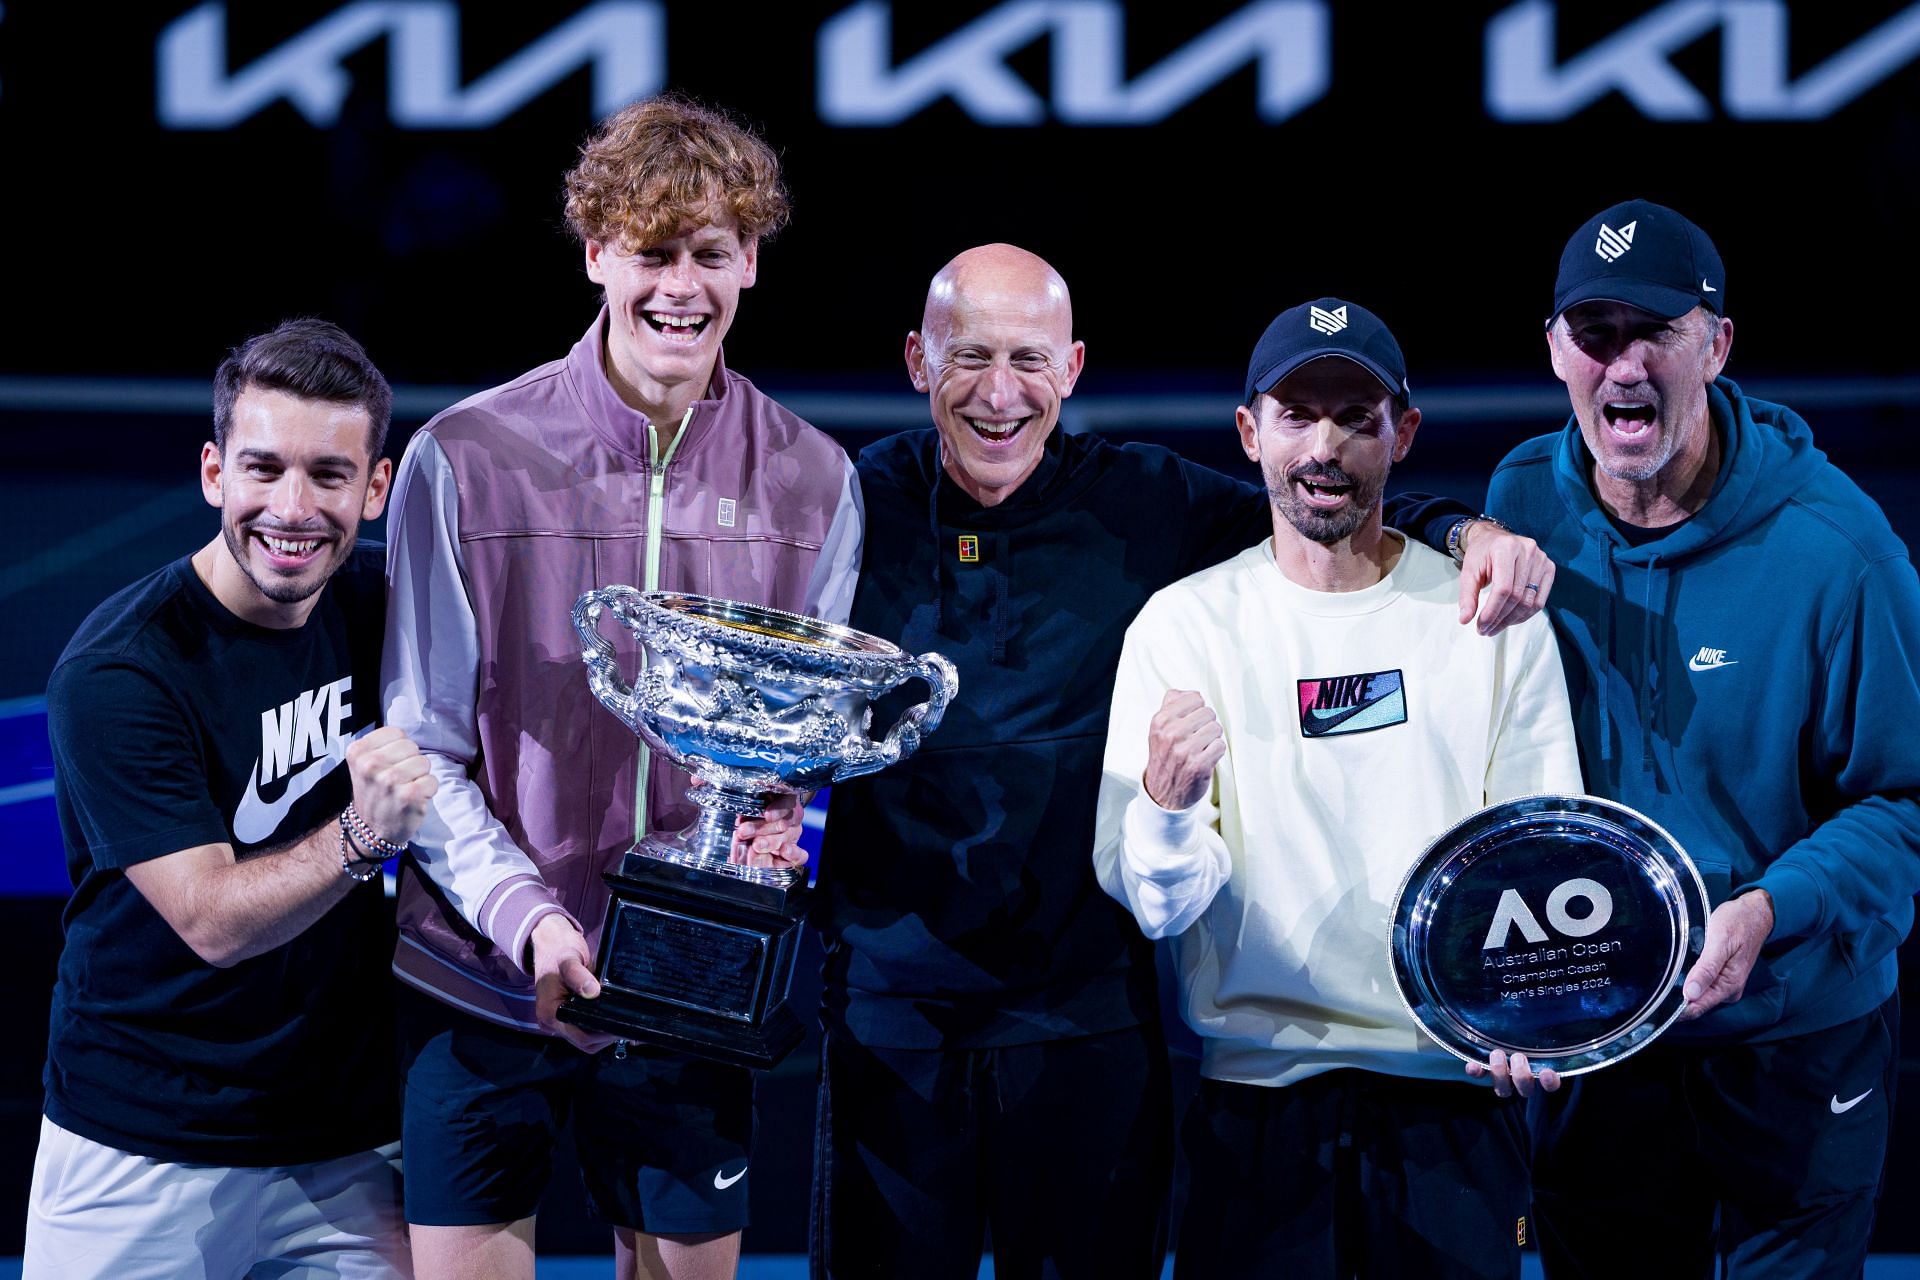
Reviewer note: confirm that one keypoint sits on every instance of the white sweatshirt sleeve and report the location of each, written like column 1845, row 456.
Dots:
column 1166, row 866
column 1533, row 750
column 429, row 674
column 830, row 590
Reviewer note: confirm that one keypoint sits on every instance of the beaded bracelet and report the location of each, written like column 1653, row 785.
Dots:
column 367, row 837
column 354, row 863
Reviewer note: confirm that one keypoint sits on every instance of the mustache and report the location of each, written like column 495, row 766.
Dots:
column 1610, row 391
column 1321, row 473
column 278, row 530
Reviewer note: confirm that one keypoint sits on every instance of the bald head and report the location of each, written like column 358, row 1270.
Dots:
column 995, row 354
column 1003, row 278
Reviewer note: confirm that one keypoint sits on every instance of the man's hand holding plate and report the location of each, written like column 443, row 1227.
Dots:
column 1513, row 1074
column 1736, row 931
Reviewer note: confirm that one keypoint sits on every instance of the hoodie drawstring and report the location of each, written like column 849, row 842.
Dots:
column 1650, row 690
column 1608, row 573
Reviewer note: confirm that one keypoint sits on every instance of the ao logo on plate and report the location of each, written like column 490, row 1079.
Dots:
column 1513, row 910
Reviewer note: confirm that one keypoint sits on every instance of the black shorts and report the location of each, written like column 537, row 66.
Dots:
column 663, row 1139
column 1352, row 1173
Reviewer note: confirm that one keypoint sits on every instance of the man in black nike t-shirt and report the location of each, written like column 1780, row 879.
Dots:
column 219, row 1090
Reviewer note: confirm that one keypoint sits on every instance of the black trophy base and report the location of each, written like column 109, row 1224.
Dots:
column 697, row 961
column 759, row 1047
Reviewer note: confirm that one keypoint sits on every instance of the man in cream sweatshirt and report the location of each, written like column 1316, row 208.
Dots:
column 1290, row 729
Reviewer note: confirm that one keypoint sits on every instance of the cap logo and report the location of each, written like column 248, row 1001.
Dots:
column 1327, row 322
column 1611, row 243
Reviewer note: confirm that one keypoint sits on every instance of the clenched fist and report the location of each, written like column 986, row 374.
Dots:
column 1184, row 743
column 391, row 783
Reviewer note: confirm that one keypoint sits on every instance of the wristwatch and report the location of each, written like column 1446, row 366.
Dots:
column 1458, row 530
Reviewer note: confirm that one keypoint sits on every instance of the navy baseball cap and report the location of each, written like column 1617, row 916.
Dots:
column 1645, row 255
column 1326, row 327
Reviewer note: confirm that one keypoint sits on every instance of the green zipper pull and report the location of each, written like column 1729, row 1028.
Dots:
column 656, row 524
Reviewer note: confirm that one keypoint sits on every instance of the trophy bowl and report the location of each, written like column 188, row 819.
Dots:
column 1561, row 927
column 698, row 950
column 752, row 700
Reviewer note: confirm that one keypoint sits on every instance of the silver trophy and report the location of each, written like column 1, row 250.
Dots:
column 698, row 950
column 1561, row 927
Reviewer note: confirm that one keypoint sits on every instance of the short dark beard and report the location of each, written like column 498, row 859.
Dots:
column 276, row 590
column 1324, row 527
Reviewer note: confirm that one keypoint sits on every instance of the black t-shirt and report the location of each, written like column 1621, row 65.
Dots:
column 1639, row 535
column 175, row 724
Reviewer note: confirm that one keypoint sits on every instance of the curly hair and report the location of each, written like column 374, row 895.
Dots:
column 657, row 165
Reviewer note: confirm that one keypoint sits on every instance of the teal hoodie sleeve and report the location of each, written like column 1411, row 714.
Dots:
column 1855, row 874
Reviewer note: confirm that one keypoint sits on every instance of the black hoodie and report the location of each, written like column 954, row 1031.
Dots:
column 957, row 895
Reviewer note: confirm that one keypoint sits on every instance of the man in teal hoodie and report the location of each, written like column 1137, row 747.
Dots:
column 1741, row 634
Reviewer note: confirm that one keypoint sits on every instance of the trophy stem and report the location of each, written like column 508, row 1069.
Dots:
column 711, row 836
column 708, row 843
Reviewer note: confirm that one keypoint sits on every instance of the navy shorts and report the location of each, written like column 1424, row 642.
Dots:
column 663, row 1139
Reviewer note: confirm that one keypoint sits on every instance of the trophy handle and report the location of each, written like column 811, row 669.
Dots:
column 603, row 669
column 904, row 738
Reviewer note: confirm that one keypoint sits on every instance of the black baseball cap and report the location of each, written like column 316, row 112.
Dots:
column 1325, row 327
column 1645, row 255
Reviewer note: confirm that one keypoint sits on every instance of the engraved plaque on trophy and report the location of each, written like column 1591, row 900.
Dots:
column 698, row 951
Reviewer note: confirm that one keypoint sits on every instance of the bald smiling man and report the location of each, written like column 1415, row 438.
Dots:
column 993, row 1049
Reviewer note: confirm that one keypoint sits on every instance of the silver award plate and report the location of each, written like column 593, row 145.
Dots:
column 1561, row 927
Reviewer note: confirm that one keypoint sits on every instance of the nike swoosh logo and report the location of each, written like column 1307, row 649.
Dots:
column 1840, row 1108
column 721, row 1184
column 255, row 819
column 1324, row 722
column 1694, row 664
column 1334, row 715
column 1707, row 288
